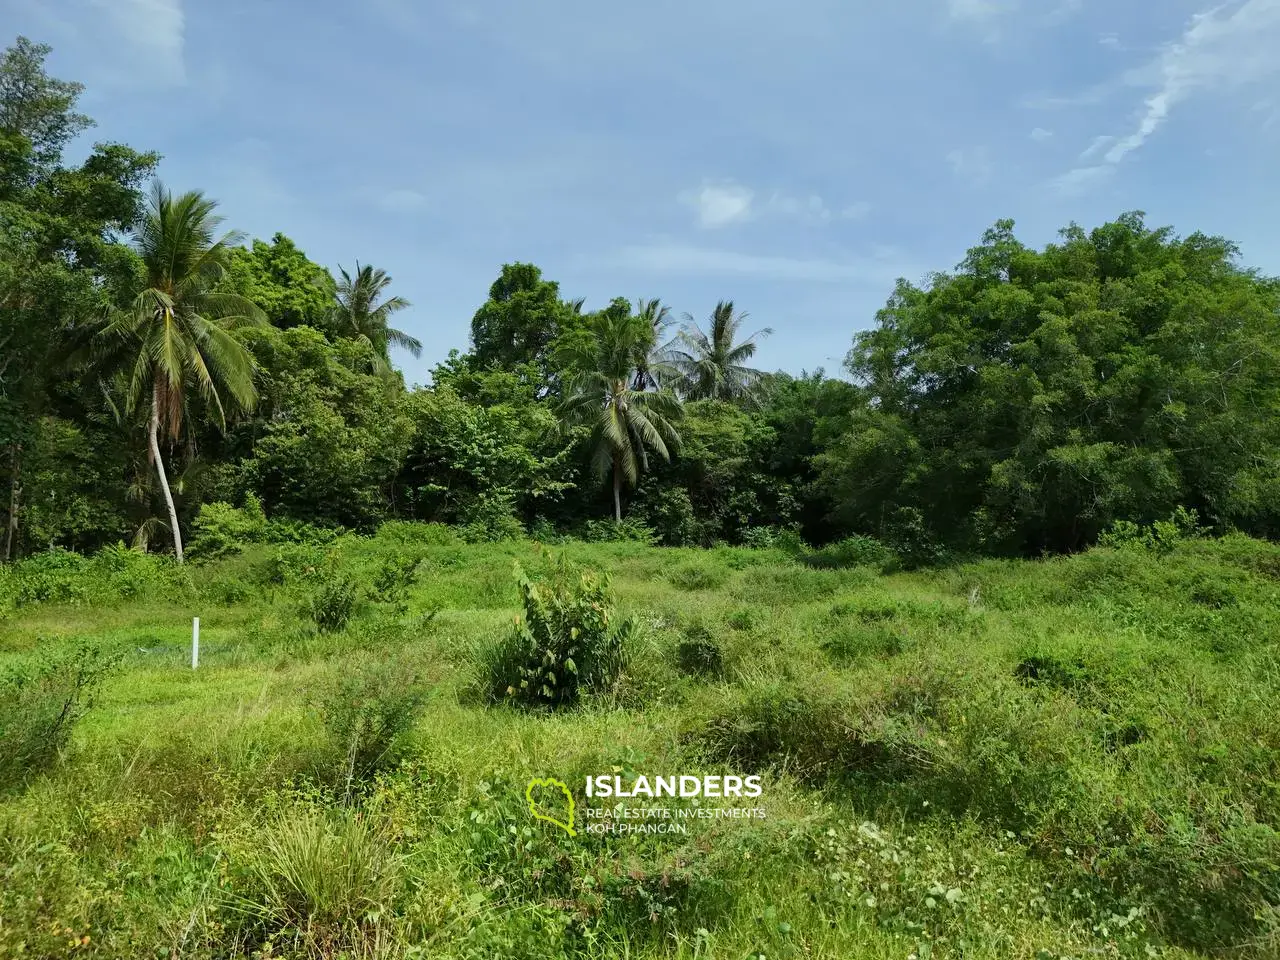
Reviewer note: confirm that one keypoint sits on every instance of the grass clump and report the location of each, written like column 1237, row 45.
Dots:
column 333, row 604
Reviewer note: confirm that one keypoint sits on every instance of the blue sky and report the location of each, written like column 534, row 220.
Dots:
column 795, row 157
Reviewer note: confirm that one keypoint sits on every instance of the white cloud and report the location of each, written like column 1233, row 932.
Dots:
column 972, row 164
column 154, row 30
column 1040, row 134
column 1215, row 51
column 722, row 204
column 682, row 258
column 1232, row 45
column 718, row 205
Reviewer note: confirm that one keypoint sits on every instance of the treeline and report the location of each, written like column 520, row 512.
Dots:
column 151, row 364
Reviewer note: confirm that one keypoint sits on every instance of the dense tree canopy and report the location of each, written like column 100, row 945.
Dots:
column 1023, row 402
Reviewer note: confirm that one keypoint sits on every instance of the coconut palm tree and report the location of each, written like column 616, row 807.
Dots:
column 358, row 315
column 625, row 422
column 175, row 337
column 712, row 364
column 651, row 365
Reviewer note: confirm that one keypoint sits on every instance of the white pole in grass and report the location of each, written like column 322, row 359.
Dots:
column 195, row 642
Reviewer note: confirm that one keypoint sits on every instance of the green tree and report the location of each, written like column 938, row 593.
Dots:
column 176, row 336
column 625, row 422
column 1032, row 398
column 652, row 367
column 522, row 321
column 60, row 261
column 712, row 363
column 358, row 315
column 291, row 290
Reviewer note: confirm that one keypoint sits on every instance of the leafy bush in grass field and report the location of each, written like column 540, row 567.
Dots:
column 221, row 529
column 853, row 552
column 567, row 643
column 332, row 605
column 367, row 708
column 41, row 700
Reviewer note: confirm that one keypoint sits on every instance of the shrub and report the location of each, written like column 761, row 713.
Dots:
column 333, row 604
column 1160, row 537
column 629, row 530
column 698, row 576
column 326, row 876
column 367, row 707
column 221, row 529
column 699, row 653
column 41, row 700
column 394, row 578
column 413, row 532
column 293, row 562
column 853, row 552
column 565, row 645
column 490, row 519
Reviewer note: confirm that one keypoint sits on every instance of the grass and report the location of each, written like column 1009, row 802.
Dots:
column 1063, row 758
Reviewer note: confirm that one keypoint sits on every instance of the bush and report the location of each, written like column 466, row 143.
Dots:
column 408, row 532
column 221, row 529
column 699, row 653
column 490, row 519
column 853, row 552
column 41, row 700
column 394, row 578
column 565, row 645
column 629, row 530
column 1160, row 537
column 367, row 708
column 293, row 562
column 698, row 576
column 333, row 604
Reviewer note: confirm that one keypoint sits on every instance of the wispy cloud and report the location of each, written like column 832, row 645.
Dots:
column 1229, row 46
column 722, row 204
column 1040, row 134
column 1081, row 180
column 154, row 29
column 684, row 258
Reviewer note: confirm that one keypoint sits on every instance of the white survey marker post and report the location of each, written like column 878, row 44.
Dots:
column 195, row 642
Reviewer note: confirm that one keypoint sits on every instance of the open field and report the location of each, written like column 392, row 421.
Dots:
column 1069, row 758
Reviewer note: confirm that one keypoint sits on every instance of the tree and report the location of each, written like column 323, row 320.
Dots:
column 712, row 364
column 522, row 321
column 176, row 336
column 652, row 367
column 60, row 261
column 357, row 315
column 625, row 422
column 1031, row 398
column 37, row 106
column 291, row 290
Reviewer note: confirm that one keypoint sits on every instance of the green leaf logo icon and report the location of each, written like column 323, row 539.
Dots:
column 542, row 786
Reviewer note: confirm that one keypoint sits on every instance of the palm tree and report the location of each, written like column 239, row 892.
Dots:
column 625, row 422
column 651, row 365
column 712, row 364
column 356, row 314
column 176, row 336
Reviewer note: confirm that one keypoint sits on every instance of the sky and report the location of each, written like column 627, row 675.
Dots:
column 793, row 157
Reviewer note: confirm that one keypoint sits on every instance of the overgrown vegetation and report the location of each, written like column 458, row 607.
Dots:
column 1067, row 757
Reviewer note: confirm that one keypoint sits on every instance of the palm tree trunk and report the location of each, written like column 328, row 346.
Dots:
column 154, row 432
column 15, row 494
column 617, row 490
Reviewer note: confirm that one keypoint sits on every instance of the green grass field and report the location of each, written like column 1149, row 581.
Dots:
column 1075, row 757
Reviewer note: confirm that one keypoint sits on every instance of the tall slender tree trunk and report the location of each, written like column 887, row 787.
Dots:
column 15, row 496
column 154, row 432
column 617, row 489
